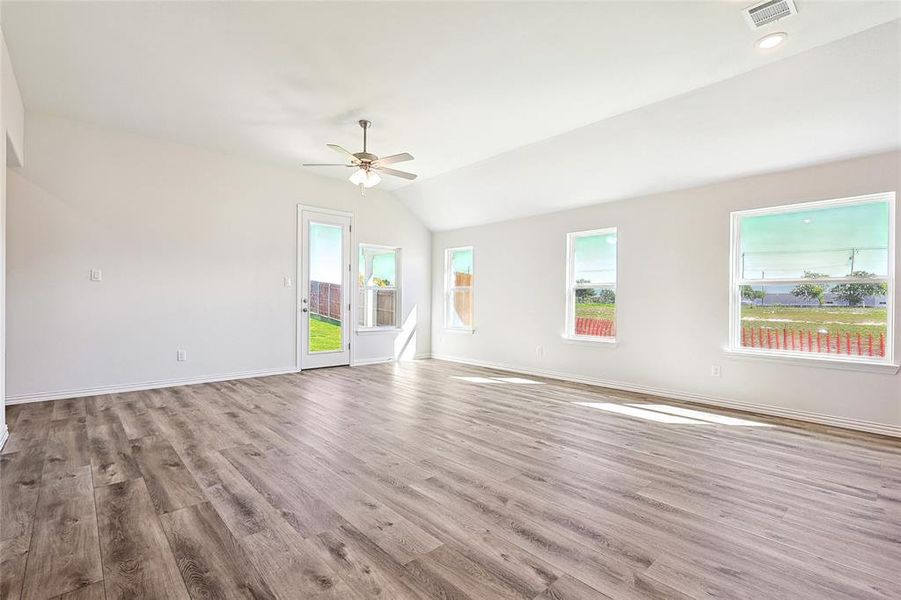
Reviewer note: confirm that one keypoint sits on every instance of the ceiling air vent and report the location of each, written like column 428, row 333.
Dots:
column 764, row 13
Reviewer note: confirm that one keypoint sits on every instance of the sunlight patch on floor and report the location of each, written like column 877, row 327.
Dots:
column 520, row 380
column 702, row 415
column 648, row 415
column 663, row 413
column 516, row 380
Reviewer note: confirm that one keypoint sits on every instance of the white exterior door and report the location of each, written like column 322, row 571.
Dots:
column 324, row 293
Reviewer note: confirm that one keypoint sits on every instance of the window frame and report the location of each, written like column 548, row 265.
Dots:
column 449, row 288
column 569, row 331
column 736, row 280
column 396, row 287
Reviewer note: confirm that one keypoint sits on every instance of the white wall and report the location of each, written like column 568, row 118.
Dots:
column 13, row 110
column 193, row 247
column 673, row 284
column 12, row 127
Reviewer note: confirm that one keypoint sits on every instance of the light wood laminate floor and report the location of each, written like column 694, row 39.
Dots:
column 437, row 480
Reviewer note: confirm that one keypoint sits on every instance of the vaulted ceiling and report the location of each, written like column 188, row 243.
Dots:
column 510, row 108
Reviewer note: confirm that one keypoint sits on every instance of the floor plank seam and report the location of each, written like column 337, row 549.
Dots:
column 97, row 524
column 37, row 504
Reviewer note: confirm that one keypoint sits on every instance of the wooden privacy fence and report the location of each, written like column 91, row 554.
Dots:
column 385, row 307
column 813, row 341
column 595, row 327
column 325, row 299
column 463, row 298
column 384, row 302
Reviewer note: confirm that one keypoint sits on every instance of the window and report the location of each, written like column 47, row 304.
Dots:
column 591, row 285
column 815, row 279
column 458, row 274
column 379, row 301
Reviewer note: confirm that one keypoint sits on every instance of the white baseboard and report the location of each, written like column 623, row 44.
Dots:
column 372, row 361
column 4, row 435
column 387, row 359
column 165, row 383
column 774, row 411
column 145, row 385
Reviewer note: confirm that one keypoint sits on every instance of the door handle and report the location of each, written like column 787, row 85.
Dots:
column 304, row 309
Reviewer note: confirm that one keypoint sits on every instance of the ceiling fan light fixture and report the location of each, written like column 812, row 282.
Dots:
column 367, row 163
column 358, row 177
column 365, row 178
column 372, row 178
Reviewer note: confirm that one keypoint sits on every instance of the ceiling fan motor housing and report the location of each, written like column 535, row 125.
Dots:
column 366, row 156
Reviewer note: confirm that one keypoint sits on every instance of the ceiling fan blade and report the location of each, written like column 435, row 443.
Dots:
column 397, row 173
column 394, row 158
column 326, row 165
column 346, row 153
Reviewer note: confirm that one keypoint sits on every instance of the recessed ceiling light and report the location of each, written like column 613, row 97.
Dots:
column 768, row 42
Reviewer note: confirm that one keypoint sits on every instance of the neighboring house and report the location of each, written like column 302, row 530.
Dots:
column 829, row 299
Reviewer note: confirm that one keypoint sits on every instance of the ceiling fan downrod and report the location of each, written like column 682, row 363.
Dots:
column 365, row 125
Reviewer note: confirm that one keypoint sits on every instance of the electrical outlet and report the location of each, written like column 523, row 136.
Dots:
column 181, row 355
column 539, row 351
column 96, row 275
column 288, row 282
column 714, row 370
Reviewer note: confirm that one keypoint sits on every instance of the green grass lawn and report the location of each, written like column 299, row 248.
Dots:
column 324, row 335
column 833, row 319
column 596, row 311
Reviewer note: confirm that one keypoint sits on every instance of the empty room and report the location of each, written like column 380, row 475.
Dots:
column 450, row 300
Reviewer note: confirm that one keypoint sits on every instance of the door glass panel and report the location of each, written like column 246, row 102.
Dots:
column 325, row 294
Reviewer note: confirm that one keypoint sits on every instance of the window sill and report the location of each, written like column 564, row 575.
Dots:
column 604, row 342
column 368, row 330
column 463, row 330
column 815, row 361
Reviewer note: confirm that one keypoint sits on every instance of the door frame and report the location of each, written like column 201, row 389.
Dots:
column 351, row 289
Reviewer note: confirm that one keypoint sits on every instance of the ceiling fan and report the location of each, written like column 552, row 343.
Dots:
column 367, row 164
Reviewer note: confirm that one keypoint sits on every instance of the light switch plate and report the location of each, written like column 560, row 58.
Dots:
column 96, row 275
column 181, row 355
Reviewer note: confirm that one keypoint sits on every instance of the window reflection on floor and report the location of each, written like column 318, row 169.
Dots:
column 519, row 380
column 660, row 413
column 702, row 415
column 631, row 411
column 663, row 413
column 516, row 380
